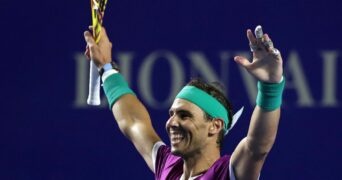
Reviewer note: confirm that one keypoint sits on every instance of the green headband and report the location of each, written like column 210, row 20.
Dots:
column 206, row 102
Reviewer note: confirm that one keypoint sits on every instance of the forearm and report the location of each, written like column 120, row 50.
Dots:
column 131, row 115
column 125, row 106
column 262, row 130
column 265, row 118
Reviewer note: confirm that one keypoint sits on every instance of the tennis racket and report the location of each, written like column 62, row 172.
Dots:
column 97, row 12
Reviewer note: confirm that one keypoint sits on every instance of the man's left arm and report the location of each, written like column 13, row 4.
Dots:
column 250, row 154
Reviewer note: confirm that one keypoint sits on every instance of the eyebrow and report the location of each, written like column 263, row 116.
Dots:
column 181, row 111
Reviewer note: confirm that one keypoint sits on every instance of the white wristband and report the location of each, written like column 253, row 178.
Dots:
column 107, row 73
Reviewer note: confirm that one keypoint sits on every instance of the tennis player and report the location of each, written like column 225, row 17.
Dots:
column 199, row 117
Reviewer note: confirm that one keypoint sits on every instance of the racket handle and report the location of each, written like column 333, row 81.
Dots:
column 94, row 86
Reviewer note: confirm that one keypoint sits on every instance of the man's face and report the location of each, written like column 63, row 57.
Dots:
column 187, row 128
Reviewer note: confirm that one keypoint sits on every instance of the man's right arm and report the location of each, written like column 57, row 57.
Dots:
column 134, row 122
column 130, row 114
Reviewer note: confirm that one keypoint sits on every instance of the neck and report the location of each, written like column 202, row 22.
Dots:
column 199, row 162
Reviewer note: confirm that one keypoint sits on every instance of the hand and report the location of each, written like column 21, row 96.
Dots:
column 100, row 53
column 267, row 64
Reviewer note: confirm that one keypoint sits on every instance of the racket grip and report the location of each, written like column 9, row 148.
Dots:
column 94, row 86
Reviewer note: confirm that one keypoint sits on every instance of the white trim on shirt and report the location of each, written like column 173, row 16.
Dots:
column 155, row 149
column 231, row 171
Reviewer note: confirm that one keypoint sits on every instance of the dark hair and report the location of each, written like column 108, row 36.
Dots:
column 216, row 90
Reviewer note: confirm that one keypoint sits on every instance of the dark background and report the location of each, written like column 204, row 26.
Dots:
column 43, row 135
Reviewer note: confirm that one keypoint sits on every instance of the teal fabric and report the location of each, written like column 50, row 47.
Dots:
column 269, row 95
column 206, row 102
column 114, row 87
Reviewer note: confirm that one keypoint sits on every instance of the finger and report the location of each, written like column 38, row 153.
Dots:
column 253, row 45
column 87, row 52
column 104, row 33
column 268, row 42
column 267, row 37
column 270, row 46
column 251, row 37
column 92, row 46
column 275, row 52
column 90, row 28
column 258, row 32
column 104, row 37
column 88, row 37
column 242, row 61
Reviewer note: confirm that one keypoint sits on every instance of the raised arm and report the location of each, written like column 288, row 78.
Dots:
column 250, row 154
column 130, row 114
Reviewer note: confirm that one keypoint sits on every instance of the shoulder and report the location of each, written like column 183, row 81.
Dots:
column 219, row 170
column 222, row 164
column 161, row 154
column 165, row 163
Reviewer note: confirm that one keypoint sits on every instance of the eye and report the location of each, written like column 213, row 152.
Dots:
column 184, row 115
column 171, row 113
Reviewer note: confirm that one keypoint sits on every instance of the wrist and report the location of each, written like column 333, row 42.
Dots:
column 269, row 95
column 115, row 86
column 107, row 67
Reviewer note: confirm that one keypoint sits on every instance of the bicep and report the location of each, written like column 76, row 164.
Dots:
column 143, row 138
column 245, row 163
column 249, row 156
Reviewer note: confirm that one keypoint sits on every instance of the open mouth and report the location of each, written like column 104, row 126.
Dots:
column 176, row 137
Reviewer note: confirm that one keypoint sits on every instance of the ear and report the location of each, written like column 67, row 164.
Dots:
column 216, row 126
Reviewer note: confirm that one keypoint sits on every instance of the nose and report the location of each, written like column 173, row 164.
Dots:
column 172, row 122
